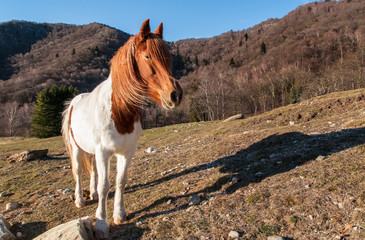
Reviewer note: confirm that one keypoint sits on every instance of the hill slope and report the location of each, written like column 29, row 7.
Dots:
column 316, row 49
column 297, row 171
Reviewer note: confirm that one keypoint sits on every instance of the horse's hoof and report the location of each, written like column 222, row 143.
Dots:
column 80, row 204
column 119, row 221
column 120, row 216
column 94, row 196
column 101, row 229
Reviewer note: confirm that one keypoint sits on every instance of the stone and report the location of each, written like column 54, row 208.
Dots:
column 275, row 238
column 234, row 117
column 259, row 174
column 291, row 123
column 78, row 229
column 3, row 194
column 194, row 200
column 5, row 233
column 66, row 191
column 150, row 150
column 234, row 234
column 29, row 155
column 11, row 206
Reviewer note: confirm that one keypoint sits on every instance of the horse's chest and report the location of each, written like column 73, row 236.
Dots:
column 123, row 143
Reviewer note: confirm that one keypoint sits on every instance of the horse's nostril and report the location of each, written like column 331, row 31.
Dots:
column 174, row 97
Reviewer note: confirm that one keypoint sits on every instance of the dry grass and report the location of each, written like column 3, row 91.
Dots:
column 259, row 176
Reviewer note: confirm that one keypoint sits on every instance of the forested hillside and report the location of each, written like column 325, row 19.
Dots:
column 316, row 49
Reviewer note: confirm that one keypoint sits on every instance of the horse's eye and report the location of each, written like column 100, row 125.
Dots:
column 147, row 57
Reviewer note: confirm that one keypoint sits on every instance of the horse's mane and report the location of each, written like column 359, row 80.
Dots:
column 129, row 89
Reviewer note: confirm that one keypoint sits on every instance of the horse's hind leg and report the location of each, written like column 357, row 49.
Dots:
column 93, row 184
column 77, row 154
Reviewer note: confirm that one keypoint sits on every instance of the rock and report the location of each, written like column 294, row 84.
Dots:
column 78, row 229
column 291, row 123
column 275, row 238
column 150, row 150
column 19, row 235
column 194, row 200
column 234, row 117
column 11, row 206
column 259, row 174
column 3, row 194
column 5, row 233
column 66, row 191
column 234, row 234
column 28, row 155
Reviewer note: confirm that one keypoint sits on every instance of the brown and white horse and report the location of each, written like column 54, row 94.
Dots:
column 107, row 121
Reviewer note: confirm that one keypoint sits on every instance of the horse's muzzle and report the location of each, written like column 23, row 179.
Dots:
column 175, row 97
column 177, row 94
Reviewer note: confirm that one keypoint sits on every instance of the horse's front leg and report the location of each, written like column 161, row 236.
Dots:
column 101, row 228
column 119, row 213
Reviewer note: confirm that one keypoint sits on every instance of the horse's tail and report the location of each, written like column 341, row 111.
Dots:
column 87, row 163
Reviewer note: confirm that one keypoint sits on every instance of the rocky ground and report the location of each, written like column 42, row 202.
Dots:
column 296, row 172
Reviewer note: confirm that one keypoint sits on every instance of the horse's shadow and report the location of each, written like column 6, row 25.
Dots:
column 270, row 156
column 127, row 232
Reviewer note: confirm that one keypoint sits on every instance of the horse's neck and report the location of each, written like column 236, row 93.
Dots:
column 124, row 114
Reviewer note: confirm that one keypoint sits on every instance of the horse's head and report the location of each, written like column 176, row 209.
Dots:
column 154, row 62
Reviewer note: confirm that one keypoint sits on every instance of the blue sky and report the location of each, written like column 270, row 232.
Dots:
column 182, row 18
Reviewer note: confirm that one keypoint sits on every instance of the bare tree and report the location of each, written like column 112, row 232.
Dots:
column 10, row 115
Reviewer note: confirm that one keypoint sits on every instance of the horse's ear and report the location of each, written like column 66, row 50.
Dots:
column 159, row 30
column 145, row 29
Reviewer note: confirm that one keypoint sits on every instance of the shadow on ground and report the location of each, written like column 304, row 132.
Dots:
column 29, row 230
column 270, row 156
column 126, row 232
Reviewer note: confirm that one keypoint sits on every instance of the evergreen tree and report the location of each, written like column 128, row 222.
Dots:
column 294, row 94
column 246, row 36
column 196, row 61
column 49, row 105
column 263, row 48
column 205, row 62
column 232, row 63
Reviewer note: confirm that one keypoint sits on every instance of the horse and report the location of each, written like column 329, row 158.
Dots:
column 108, row 122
